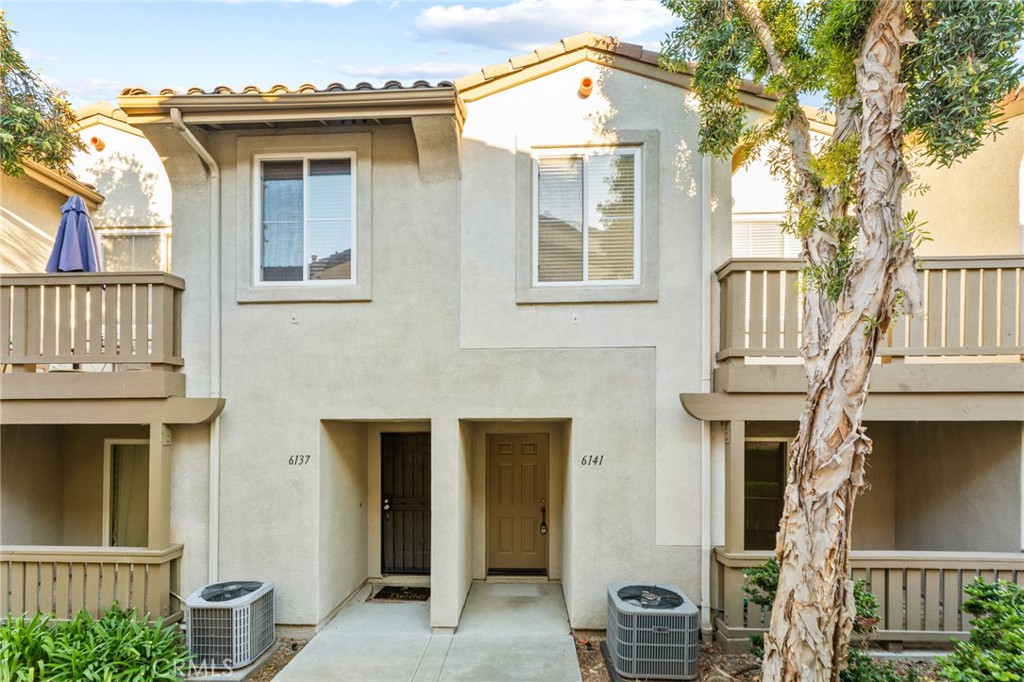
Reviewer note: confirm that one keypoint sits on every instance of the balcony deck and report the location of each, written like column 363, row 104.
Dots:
column 920, row 594
column 969, row 338
column 62, row 580
column 91, row 335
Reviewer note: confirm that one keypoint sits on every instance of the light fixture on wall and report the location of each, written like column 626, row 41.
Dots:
column 586, row 87
column 98, row 144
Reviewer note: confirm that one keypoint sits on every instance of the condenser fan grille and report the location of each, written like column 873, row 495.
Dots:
column 650, row 597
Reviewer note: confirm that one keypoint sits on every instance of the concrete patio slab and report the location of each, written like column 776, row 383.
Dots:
column 509, row 609
column 508, row 632
column 515, row 658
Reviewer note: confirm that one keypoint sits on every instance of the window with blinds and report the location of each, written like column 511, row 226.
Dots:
column 306, row 219
column 761, row 236
column 586, row 227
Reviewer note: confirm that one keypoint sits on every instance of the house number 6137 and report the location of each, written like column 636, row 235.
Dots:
column 298, row 460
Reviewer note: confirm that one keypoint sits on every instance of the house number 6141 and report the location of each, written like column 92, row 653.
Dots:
column 592, row 460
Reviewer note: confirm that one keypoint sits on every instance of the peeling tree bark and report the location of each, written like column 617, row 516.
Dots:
column 814, row 611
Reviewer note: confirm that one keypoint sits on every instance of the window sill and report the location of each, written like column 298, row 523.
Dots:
column 587, row 294
column 305, row 294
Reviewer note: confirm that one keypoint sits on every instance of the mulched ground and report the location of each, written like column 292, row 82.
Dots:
column 714, row 664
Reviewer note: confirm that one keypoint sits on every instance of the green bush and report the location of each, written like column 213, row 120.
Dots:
column 763, row 583
column 118, row 647
column 23, row 648
column 995, row 650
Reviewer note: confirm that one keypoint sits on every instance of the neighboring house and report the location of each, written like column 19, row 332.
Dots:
column 449, row 326
column 134, row 225
column 30, row 214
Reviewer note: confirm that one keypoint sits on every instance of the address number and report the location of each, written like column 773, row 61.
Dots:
column 592, row 460
column 298, row 460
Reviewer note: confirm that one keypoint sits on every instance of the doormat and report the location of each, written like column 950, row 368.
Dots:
column 397, row 593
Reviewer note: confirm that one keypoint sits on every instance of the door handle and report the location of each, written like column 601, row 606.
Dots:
column 387, row 504
column 543, row 520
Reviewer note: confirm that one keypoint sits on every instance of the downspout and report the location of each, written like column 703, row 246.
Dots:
column 215, row 372
column 705, row 387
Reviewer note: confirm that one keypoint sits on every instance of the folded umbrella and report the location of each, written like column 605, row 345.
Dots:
column 75, row 249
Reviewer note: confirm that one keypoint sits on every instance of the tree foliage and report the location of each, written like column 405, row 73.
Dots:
column 893, row 74
column 36, row 122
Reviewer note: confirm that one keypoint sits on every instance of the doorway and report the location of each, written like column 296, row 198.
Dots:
column 405, row 503
column 517, row 504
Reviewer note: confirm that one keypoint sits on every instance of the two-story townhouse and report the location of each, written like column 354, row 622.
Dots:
column 452, row 323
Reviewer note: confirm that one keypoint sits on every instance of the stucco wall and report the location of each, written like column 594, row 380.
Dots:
column 128, row 172
column 959, row 487
column 29, row 218
column 31, row 485
column 973, row 207
column 343, row 513
column 443, row 339
column 970, row 209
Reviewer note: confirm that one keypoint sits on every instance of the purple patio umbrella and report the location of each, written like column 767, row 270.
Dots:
column 75, row 249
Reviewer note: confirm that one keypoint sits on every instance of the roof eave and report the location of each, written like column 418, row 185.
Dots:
column 269, row 108
column 63, row 184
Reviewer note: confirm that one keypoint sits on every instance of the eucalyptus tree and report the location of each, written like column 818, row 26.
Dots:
column 36, row 122
column 893, row 74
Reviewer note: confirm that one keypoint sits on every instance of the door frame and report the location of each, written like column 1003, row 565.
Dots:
column 488, row 506
column 474, row 435
column 108, row 447
column 380, row 492
column 374, row 550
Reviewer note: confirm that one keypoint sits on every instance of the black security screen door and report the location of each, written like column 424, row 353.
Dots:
column 405, row 498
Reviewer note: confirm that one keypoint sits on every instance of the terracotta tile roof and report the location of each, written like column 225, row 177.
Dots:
column 580, row 41
column 564, row 46
column 304, row 89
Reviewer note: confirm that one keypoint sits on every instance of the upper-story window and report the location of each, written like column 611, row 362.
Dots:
column 587, row 217
column 306, row 219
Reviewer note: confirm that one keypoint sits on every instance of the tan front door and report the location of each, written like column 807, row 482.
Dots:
column 517, row 503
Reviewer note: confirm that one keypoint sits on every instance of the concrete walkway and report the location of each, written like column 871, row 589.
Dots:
column 508, row 632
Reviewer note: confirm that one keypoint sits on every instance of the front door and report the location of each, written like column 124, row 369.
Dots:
column 405, row 497
column 517, row 503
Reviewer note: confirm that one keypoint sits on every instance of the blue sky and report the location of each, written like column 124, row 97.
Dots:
column 94, row 49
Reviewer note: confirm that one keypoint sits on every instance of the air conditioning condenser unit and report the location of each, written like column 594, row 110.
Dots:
column 230, row 624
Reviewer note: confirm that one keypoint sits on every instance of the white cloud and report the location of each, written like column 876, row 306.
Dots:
column 82, row 91
column 527, row 24
column 430, row 71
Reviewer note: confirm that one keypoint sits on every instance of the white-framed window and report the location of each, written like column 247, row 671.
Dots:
column 125, row 492
column 586, row 217
column 305, row 219
column 136, row 249
column 760, row 235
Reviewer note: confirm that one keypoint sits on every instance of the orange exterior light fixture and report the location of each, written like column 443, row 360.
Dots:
column 98, row 144
column 586, row 86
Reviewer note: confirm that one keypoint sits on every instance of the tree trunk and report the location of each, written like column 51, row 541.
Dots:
column 813, row 614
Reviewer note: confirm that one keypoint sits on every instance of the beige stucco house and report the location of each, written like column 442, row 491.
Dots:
column 444, row 333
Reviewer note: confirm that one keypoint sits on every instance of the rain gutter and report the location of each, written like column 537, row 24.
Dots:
column 705, row 387
column 213, row 170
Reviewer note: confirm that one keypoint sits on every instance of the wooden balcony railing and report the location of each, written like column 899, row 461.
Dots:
column 920, row 593
column 103, row 319
column 62, row 580
column 971, row 306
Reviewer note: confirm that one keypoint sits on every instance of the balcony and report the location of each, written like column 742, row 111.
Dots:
column 91, row 335
column 972, row 325
column 920, row 594
column 62, row 580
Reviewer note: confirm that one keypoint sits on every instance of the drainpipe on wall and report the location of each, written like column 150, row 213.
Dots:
column 214, row 172
column 705, row 387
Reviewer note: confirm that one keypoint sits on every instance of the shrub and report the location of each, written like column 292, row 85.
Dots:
column 763, row 583
column 118, row 647
column 23, row 647
column 995, row 650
